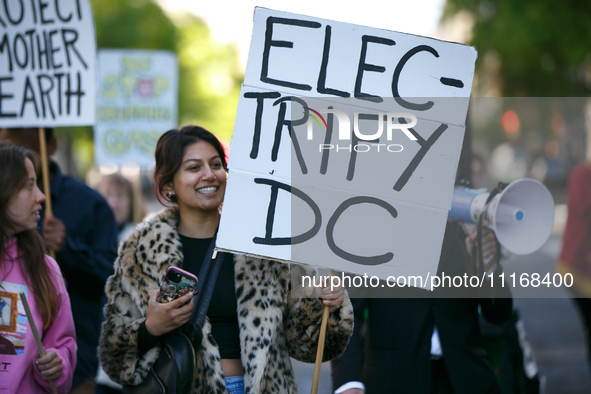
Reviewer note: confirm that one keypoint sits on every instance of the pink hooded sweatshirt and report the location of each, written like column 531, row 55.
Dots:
column 18, row 374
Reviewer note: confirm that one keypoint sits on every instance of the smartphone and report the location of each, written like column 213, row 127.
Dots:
column 176, row 283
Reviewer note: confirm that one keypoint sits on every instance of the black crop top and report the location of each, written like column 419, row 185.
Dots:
column 222, row 309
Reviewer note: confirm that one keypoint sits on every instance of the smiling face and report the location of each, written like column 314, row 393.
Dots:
column 24, row 207
column 200, row 182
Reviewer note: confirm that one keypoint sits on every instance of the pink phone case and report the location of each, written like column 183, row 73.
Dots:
column 176, row 283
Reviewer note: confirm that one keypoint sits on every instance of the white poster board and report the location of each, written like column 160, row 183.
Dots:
column 47, row 63
column 136, row 103
column 349, row 207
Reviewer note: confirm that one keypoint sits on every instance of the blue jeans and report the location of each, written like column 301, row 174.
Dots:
column 235, row 385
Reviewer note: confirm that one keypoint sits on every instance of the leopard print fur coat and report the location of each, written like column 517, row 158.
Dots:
column 274, row 324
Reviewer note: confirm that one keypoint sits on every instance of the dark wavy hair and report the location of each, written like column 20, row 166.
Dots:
column 30, row 246
column 170, row 150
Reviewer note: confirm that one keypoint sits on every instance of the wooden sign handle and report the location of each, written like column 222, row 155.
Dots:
column 321, row 341
column 35, row 334
column 45, row 173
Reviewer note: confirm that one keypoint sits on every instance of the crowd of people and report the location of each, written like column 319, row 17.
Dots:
column 244, row 347
column 91, row 302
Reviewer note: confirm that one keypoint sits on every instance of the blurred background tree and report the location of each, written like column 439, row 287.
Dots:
column 209, row 73
column 535, row 54
column 534, row 48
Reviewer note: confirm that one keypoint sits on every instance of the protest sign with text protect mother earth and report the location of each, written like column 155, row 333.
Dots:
column 47, row 63
column 310, row 190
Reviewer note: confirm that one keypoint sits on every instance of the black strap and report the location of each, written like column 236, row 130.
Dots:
column 207, row 278
column 202, row 277
column 499, row 188
column 211, row 277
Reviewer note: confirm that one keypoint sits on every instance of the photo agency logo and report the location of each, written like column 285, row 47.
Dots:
column 359, row 140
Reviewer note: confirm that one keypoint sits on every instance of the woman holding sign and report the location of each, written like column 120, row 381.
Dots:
column 25, row 267
column 257, row 318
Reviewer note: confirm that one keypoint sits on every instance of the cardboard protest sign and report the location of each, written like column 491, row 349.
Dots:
column 47, row 63
column 345, row 146
column 137, row 102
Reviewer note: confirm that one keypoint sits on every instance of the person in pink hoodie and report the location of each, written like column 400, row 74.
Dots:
column 25, row 267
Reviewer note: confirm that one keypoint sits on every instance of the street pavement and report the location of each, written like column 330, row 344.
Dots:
column 554, row 327
column 552, row 322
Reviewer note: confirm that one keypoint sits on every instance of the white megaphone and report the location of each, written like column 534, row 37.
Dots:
column 522, row 215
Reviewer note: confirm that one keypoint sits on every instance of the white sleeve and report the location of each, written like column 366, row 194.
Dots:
column 350, row 385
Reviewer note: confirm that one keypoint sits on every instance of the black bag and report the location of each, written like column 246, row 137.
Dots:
column 174, row 371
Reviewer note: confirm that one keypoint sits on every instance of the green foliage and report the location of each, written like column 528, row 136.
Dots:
column 543, row 45
column 209, row 74
column 138, row 24
column 209, row 79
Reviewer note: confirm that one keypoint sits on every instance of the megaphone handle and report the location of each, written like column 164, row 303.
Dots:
column 479, row 256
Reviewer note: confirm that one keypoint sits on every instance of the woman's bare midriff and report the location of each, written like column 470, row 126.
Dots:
column 232, row 367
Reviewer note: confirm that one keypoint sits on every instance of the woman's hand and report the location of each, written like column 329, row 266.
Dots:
column 163, row 318
column 331, row 296
column 50, row 365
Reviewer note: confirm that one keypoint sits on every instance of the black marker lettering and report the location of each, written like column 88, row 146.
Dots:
column 5, row 96
column 52, row 50
column 70, row 43
column 79, row 10
column 26, row 98
column 44, row 92
column 327, row 141
column 369, row 67
column 43, row 51
column 6, row 45
column 364, row 260
column 34, row 11
column 43, row 6
column 396, row 79
column 268, row 239
column 256, row 138
column 321, row 86
column 30, row 33
column 281, row 121
column 59, row 92
column 269, row 42
column 355, row 141
column 59, row 14
column 22, row 64
column 79, row 93
column 425, row 146
column 8, row 13
column 456, row 83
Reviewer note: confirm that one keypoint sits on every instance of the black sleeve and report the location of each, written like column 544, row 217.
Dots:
column 145, row 340
column 498, row 306
column 349, row 366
